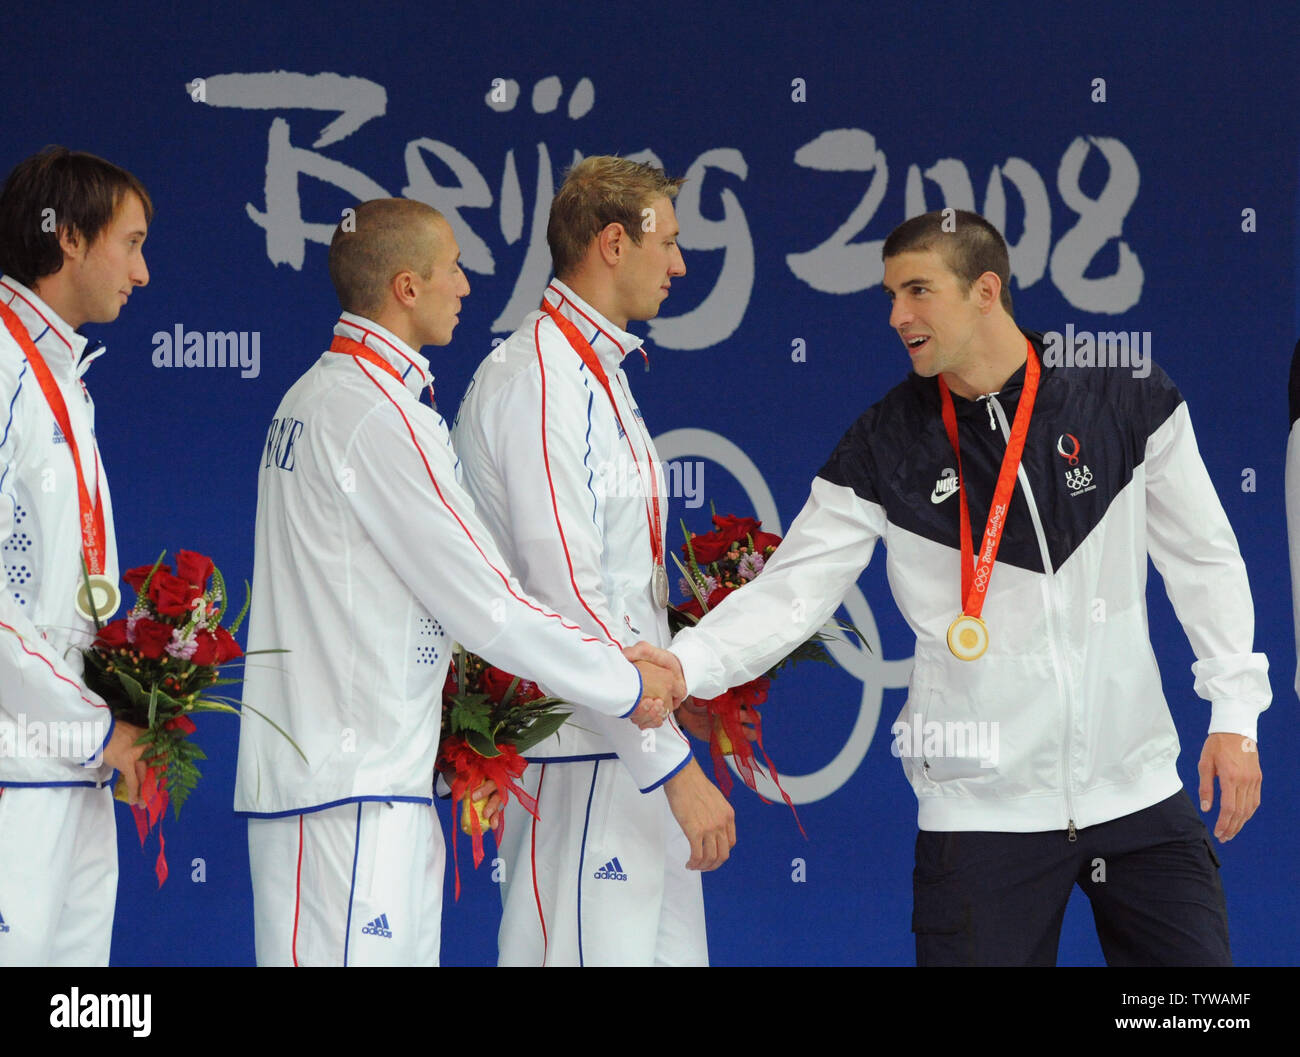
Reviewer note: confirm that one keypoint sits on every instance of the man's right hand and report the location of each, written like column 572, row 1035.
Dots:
column 704, row 815
column 657, row 698
column 124, row 755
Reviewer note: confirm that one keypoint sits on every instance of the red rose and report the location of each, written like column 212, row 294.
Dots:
column 727, row 530
column 449, row 687
column 194, row 569
column 112, row 636
column 206, row 649
column 763, row 540
column 528, row 691
column 151, row 637
column 137, row 576
column 718, row 594
column 227, row 648
column 495, row 683
column 171, row 595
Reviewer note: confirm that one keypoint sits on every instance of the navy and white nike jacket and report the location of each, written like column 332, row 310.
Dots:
column 1110, row 474
column 369, row 562
column 52, row 728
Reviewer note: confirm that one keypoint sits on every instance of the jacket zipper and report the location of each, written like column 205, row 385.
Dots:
column 1053, row 633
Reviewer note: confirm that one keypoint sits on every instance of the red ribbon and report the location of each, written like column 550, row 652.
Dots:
column 94, row 536
column 156, row 799
column 727, row 707
column 471, row 771
column 975, row 579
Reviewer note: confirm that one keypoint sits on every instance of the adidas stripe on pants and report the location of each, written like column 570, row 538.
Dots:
column 58, row 875
column 357, row 884
column 610, row 869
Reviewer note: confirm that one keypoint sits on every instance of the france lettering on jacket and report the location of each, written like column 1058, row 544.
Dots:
column 279, row 442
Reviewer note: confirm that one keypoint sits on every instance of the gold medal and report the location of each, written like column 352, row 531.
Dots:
column 968, row 638
column 98, row 598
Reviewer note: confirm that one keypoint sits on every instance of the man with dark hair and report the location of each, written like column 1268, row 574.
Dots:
column 370, row 561
column 72, row 228
column 1036, row 734
column 565, row 474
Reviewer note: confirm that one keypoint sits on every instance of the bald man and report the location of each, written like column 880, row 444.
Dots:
column 369, row 562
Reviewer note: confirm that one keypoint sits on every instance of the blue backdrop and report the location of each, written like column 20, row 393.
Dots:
column 1142, row 165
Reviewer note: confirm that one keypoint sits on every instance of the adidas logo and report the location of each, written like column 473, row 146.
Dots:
column 3, row 927
column 59, row 438
column 611, row 871
column 378, row 927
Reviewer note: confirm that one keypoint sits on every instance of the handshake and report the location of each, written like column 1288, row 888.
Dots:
column 663, row 686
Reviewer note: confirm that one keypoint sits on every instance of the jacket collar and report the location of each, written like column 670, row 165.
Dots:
column 60, row 345
column 413, row 367
column 610, row 343
column 1010, row 390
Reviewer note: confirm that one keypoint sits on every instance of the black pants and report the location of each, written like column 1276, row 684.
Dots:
column 982, row 898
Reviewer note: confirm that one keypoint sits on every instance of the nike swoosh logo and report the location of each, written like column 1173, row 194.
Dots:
column 936, row 497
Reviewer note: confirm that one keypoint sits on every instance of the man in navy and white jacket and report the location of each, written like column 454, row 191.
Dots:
column 370, row 561
column 72, row 228
column 1085, row 767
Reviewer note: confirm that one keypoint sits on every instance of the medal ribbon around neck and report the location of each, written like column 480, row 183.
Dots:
column 91, row 522
column 588, row 355
column 968, row 637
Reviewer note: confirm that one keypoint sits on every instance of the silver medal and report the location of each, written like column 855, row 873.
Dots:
column 659, row 584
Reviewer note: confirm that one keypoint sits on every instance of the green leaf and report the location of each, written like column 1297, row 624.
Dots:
column 481, row 744
column 248, row 596
column 471, row 712
column 540, row 729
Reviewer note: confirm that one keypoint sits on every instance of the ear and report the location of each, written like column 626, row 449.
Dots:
column 611, row 243
column 402, row 287
column 71, row 242
column 988, row 291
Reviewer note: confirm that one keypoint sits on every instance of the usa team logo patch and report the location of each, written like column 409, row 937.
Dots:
column 1078, row 479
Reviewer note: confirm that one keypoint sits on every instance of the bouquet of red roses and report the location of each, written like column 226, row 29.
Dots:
column 154, row 668
column 490, row 718
column 717, row 563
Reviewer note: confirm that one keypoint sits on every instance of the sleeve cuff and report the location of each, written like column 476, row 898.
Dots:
column 96, row 758
column 1234, row 717
column 640, row 686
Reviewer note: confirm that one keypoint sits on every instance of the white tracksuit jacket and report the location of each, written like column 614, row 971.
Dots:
column 556, row 483
column 1084, row 732
column 40, row 628
column 369, row 562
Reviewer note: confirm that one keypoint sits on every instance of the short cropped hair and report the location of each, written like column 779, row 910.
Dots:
column 971, row 248
column 383, row 237
column 53, row 192
column 597, row 192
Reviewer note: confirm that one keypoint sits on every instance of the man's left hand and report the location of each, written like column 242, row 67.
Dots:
column 1235, row 760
